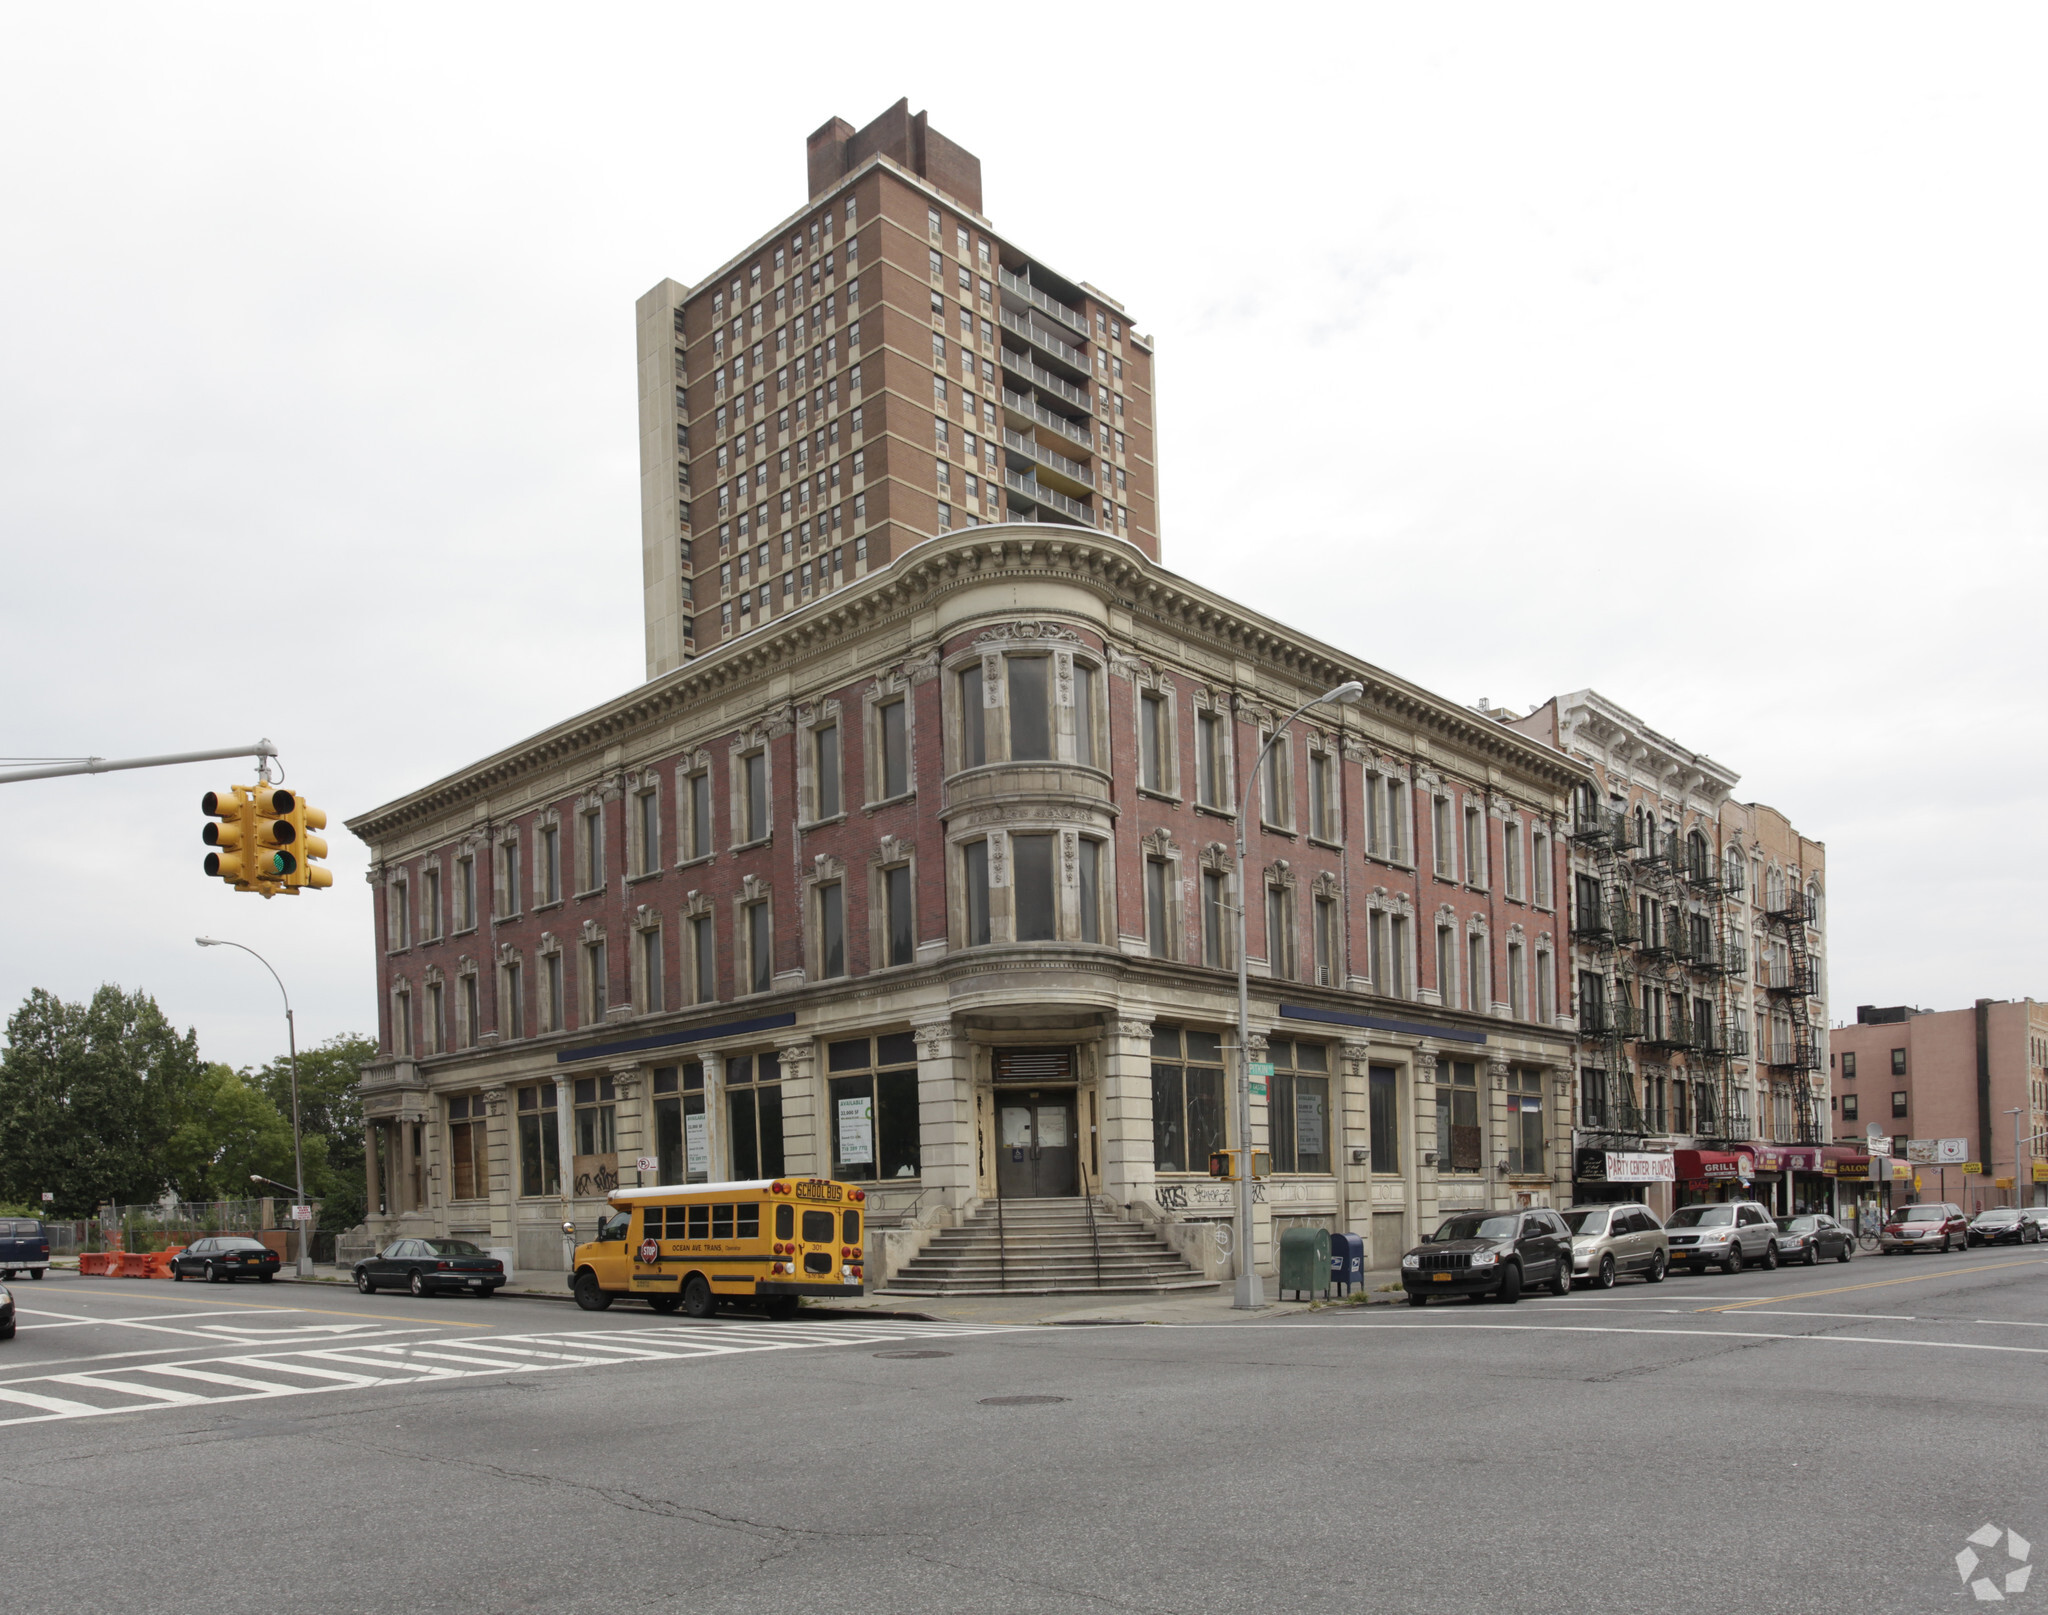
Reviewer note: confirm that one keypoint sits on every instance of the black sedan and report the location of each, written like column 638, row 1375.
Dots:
column 1807, row 1239
column 2002, row 1225
column 6, row 1313
column 429, row 1266
column 1478, row 1253
column 225, row 1256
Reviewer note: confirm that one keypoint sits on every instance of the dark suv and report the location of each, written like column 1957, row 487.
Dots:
column 1490, row 1253
column 24, row 1247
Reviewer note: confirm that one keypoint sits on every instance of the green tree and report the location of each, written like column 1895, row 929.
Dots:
column 230, row 1130
column 330, row 1122
column 90, row 1095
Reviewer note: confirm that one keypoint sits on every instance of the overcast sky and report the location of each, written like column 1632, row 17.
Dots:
column 1695, row 356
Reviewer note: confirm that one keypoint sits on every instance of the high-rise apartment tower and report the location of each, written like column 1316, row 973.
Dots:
column 879, row 368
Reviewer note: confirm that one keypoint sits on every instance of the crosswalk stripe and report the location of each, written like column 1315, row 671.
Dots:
column 93, row 1382
column 205, row 1376
column 361, row 1381
column 48, row 1404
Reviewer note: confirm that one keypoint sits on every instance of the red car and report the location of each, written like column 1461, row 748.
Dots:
column 1938, row 1225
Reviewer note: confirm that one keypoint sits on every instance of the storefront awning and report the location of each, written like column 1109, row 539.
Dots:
column 1839, row 1161
column 1711, row 1166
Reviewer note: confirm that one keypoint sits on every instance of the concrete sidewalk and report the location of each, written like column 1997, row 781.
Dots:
column 1208, row 1306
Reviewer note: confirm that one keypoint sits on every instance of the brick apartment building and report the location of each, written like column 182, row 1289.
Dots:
column 880, row 367
column 952, row 842
column 1927, row 1075
column 1698, row 959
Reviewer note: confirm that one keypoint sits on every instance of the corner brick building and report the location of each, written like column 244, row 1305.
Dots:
column 880, row 367
column 921, row 876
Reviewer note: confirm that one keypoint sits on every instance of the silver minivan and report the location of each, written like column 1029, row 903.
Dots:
column 1608, row 1241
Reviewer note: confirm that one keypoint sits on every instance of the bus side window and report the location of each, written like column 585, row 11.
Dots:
column 721, row 1222
column 700, row 1222
column 750, row 1222
column 785, row 1222
column 850, row 1221
column 675, row 1222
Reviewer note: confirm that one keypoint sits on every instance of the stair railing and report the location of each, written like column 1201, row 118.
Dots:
column 1094, row 1237
column 1002, row 1239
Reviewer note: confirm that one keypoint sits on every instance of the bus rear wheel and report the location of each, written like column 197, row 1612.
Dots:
column 697, row 1300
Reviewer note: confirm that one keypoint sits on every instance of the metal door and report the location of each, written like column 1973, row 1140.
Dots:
column 1038, row 1147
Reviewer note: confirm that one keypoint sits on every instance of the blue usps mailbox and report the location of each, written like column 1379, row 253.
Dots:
column 1347, row 1262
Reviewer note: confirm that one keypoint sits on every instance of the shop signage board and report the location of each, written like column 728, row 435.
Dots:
column 2041, row 1171
column 1951, row 1150
column 1921, row 1149
column 1973, row 1169
column 1639, row 1166
column 857, row 1131
column 1879, row 1145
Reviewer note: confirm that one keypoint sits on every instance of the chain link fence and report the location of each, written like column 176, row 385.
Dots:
column 179, row 1222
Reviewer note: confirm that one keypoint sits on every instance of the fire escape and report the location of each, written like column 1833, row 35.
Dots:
column 1790, row 984
column 1608, row 926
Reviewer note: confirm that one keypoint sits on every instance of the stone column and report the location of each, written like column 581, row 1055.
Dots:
column 372, row 1175
column 1557, row 1086
column 948, row 1158
column 806, row 1135
column 501, row 1151
column 565, row 1163
column 1497, row 1132
column 1265, row 1247
column 1351, row 1131
column 629, row 1115
column 1424, row 1201
column 1126, row 1089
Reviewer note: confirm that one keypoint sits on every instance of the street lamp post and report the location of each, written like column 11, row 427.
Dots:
column 1248, row 1294
column 291, row 1038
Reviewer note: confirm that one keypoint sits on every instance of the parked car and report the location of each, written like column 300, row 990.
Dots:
column 220, row 1257
column 2037, row 1215
column 428, row 1266
column 6, row 1313
column 1725, row 1234
column 1608, row 1241
column 24, row 1247
column 1808, row 1238
column 1936, row 1225
column 2002, row 1225
column 1479, row 1253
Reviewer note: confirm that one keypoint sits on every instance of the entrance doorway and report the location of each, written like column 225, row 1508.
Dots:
column 1038, row 1145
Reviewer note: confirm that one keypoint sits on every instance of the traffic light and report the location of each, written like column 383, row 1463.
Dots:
column 261, row 840
column 1219, row 1164
column 306, row 819
column 227, row 832
column 276, row 837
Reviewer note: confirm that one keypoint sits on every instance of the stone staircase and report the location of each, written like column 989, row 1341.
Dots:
column 1046, row 1247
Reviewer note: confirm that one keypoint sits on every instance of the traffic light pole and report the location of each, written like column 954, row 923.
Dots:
column 291, row 1038
column 105, row 765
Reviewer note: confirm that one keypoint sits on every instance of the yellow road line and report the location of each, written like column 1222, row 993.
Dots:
column 1874, row 1284
column 258, row 1306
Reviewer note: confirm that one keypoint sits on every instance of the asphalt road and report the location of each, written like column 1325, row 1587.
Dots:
column 1809, row 1439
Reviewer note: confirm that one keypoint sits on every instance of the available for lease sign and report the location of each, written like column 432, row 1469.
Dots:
column 1638, row 1166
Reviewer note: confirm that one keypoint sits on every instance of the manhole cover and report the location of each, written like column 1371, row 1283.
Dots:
column 1018, row 1401
column 913, row 1355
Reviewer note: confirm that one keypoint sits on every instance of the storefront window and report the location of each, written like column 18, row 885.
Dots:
column 682, row 1134
column 469, row 1165
column 540, row 1153
column 873, row 1083
column 1525, row 1121
column 1298, row 1106
column 753, row 1107
column 1187, row 1099
column 1457, row 1116
column 1384, row 1114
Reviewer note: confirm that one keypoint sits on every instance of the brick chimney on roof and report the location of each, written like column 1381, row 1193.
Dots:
column 907, row 139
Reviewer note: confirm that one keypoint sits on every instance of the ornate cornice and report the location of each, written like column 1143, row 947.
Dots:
column 891, row 598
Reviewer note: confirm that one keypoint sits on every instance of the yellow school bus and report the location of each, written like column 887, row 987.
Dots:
column 701, row 1245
